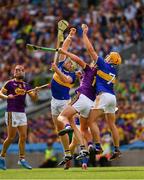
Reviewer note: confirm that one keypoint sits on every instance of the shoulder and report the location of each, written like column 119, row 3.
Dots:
column 86, row 67
column 100, row 59
column 27, row 85
column 72, row 73
column 61, row 63
column 8, row 82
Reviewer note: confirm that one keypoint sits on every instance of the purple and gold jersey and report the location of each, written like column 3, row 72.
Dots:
column 59, row 89
column 87, row 85
column 106, row 77
column 16, row 88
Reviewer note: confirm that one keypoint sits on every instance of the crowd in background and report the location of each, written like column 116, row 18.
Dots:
column 114, row 25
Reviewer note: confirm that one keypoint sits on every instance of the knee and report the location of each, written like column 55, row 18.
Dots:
column 111, row 125
column 84, row 131
column 60, row 118
column 22, row 138
column 59, row 124
column 10, row 139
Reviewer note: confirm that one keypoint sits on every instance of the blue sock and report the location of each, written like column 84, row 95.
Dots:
column 97, row 145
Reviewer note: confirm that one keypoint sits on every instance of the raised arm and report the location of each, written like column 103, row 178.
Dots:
column 62, row 76
column 73, row 57
column 67, row 43
column 88, row 44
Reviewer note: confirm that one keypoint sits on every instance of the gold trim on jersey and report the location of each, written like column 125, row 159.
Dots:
column 59, row 81
column 106, row 76
column 20, row 91
column 3, row 89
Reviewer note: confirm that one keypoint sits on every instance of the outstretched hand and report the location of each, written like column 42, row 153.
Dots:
column 84, row 28
column 72, row 31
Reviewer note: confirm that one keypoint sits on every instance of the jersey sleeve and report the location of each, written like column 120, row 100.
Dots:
column 60, row 64
column 100, row 62
column 6, row 87
column 73, row 76
column 86, row 68
column 28, row 87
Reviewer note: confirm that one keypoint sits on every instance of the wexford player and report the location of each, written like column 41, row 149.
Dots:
column 106, row 100
column 85, row 98
column 15, row 93
column 62, row 81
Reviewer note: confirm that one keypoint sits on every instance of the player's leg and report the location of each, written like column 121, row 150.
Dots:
column 95, row 114
column 72, row 146
column 11, row 131
column 66, row 115
column 22, row 130
column 56, row 107
column 64, row 139
column 110, row 118
column 84, row 129
column 110, row 108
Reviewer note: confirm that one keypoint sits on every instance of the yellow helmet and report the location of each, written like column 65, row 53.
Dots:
column 114, row 57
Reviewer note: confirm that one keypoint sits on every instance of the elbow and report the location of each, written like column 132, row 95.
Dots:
column 91, row 49
column 66, row 81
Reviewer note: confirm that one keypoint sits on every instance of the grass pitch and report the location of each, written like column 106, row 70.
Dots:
column 75, row 173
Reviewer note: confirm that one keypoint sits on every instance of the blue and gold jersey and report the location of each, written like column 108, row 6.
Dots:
column 60, row 90
column 106, row 77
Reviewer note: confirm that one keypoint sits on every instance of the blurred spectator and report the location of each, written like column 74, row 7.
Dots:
column 113, row 25
column 50, row 155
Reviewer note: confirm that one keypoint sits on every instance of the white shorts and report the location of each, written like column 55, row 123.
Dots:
column 106, row 102
column 83, row 105
column 57, row 106
column 15, row 118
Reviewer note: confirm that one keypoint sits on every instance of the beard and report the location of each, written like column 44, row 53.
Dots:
column 19, row 77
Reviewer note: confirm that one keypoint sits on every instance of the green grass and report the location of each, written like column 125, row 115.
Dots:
column 75, row 173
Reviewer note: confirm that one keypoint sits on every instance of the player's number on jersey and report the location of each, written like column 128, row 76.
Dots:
column 113, row 77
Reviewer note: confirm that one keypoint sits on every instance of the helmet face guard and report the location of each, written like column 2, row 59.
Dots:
column 113, row 58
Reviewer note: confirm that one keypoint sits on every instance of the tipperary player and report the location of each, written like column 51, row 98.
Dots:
column 106, row 100
column 15, row 93
column 62, row 81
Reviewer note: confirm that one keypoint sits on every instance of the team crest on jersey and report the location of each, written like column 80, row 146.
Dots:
column 20, row 91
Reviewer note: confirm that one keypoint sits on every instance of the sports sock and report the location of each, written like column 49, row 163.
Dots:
column 116, row 148
column 67, row 152
column 97, row 145
column 67, row 126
